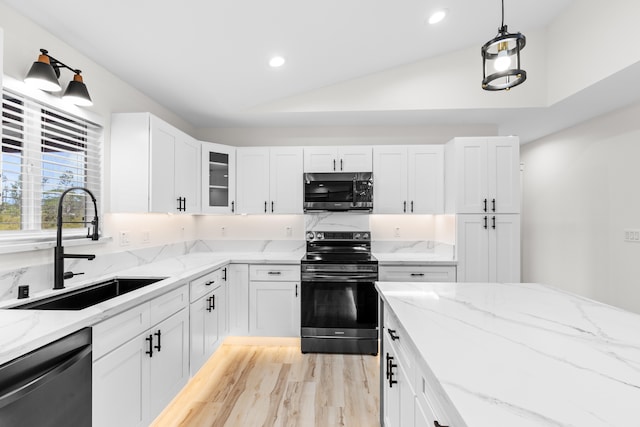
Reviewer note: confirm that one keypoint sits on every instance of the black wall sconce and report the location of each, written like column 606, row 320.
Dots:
column 44, row 74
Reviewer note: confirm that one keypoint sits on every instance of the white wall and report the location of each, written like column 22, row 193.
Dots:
column 580, row 192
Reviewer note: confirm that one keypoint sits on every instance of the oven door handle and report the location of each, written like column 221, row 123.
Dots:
column 340, row 278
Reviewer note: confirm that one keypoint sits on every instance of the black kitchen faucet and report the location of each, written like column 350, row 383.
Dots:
column 58, row 262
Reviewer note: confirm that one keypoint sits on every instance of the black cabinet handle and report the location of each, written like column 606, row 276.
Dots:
column 493, row 222
column 334, row 164
column 412, row 206
column 437, row 424
column 265, row 206
column 271, row 207
column 224, row 270
column 296, row 290
column 213, row 302
column 179, row 204
column 209, row 308
column 388, row 360
column 417, row 274
column 485, row 204
column 233, row 207
column 485, row 222
column 404, row 208
column 210, row 282
column 340, row 164
column 493, row 205
column 150, row 340
column 391, row 366
column 158, row 334
column 274, row 273
column 392, row 333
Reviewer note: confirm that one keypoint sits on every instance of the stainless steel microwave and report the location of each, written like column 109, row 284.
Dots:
column 338, row 191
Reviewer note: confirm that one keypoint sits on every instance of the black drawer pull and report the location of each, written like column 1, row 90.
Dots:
column 493, row 205
column 417, row 274
column 493, row 222
column 437, row 424
column 485, row 204
column 211, row 282
column 274, row 273
column 485, row 223
column 209, row 308
column 393, row 334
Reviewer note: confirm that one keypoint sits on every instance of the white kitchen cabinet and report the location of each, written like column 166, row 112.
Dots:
column 338, row 159
column 208, row 313
column 274, row 300
column 408, row 179
column 139, row 373
column 488, row 248
column 218, row 178
column 417, row 273
column 154, row 166
column 270, row 180
column 238, row 297
column 410, row 394
column 483, row 175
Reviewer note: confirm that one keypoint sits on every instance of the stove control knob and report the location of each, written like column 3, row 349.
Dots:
column 310, row 235
column 319, row 236
column 365, row 236
column 357, row 236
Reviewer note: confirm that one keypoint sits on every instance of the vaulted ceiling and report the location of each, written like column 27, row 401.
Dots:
column 354, row 62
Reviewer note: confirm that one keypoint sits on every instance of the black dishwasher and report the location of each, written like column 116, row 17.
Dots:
column 49, row 387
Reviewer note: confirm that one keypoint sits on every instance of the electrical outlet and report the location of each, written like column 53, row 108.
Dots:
column 632, row 236
column 396, row 232
column 223, row 231
column 288, row 231
column 125, row 238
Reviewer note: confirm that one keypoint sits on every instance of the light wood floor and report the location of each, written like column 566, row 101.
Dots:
column 246, row 386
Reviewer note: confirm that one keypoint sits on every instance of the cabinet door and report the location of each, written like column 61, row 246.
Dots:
column 285, row 184
column 162, row 192
column 471, row 170
column 504, row 248
column 238, row 291
column 321, row 159
column 187, row 173
column 218, row 178
column 274, row 309
column 169, row 367
column 253, row 180
column 504, row 174
column 204, row 331
column 120, row 386
column 390, row 179
column 355, row 159
column 473, row 248
column 425, row 179
column 399, row 398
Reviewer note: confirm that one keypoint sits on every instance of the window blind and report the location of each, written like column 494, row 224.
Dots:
column 44, row 152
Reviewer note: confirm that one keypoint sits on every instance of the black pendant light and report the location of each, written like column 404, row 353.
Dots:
column 44, row 75
column 501, row 68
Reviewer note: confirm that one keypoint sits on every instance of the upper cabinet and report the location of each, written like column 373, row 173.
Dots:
column 154, row 166
column 270, row 180
column 338, row 159
column 483, row 175
column 218, row 178
column 408, row 179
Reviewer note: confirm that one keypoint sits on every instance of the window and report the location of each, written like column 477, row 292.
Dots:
column 44, row 152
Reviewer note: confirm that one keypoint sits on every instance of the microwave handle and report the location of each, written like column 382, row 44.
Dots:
column 354, row 191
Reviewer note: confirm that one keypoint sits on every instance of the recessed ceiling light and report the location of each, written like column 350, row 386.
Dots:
column 276, row 61
column 437, row 16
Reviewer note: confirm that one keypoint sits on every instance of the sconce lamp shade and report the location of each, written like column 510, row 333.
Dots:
column 43, row 76
column 77, row 92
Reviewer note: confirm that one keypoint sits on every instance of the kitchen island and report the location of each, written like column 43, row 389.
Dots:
column 511, row 355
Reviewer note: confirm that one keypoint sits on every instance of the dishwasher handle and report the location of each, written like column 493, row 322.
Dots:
column 45, row 376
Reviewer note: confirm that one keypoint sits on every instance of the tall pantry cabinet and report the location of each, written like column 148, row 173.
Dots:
column 483, row 190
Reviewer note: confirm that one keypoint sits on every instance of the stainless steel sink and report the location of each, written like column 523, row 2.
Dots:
column 91, row 295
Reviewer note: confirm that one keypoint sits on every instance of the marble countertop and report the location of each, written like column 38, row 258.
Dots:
column 413, row 258
column 524, row 354
column 22, row 331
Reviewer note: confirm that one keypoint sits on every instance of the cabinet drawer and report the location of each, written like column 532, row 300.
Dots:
column 400, row 342
column 274, row 272
column 205, row 284
column 169, row 303
column 417, row 274
column 119, row 329
column 431, row 397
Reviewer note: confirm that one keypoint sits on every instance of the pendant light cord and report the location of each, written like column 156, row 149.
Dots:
column 503, row 13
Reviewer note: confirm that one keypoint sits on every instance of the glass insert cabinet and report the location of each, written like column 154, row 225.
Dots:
column 218, row 186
